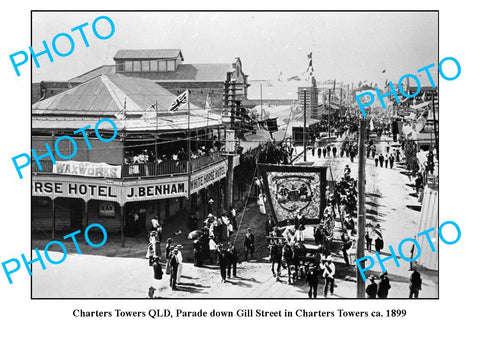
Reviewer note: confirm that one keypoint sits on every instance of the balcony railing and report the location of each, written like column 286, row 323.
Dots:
column 165, row 168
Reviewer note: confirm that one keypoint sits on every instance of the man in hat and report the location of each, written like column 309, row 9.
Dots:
column 269, row 225
column 299, row 222
column 371, row 289
column 180, row 262
column 212, row 247
column 287, row 258
column 249, row 244
column 232, row 215
column 415, row 284
column 312, row 279
column 329, row 274
column 169, row 248
column 368, row 235
column 157, row 269
column 192, row 222
column 210, row 205
column 378, row 239
column 383, row 286
column 173, row 264
column 232, row 256
column 347, row 244
column 276, row 258
column 155, row 223
column 222, row 261
column 197, row 252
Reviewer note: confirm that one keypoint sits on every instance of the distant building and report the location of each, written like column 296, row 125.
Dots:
column 165, row 67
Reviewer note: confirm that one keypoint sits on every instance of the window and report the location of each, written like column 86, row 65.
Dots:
column 145, row 66
column 106, row 209
column 154, row 65
column 162, row 65
column 136, row 66
column 128, row 66
column 120, row 66
column 170, row 65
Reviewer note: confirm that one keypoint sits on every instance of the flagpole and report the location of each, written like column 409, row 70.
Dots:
column 208, row 118
column 156, row 130
column 261, row 103
column 188, row 154
column 435, row 124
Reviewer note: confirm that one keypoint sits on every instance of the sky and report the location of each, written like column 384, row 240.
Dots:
column 346, row 46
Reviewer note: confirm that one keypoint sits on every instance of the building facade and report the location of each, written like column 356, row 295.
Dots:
column 144, row 171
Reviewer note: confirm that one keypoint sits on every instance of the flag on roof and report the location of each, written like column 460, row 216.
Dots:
column 179, row 101
column 296, row 78
column 150, row 112
column 309, row 70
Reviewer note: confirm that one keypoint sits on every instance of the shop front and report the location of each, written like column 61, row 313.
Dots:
column 64, row 203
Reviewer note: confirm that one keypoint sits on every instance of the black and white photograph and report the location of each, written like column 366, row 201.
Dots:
column 204, row 170
column 244, row 155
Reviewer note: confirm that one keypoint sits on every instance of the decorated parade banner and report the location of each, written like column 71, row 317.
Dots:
column 294, row 189
column 87, row 169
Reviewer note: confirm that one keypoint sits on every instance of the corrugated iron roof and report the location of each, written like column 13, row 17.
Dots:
column 174, row 122
column 193, row 72
column 148, row 54
column 104, row 69
column 184, row 72
column 107, row 95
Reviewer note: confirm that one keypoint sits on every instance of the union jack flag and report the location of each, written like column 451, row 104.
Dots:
column 179, row 101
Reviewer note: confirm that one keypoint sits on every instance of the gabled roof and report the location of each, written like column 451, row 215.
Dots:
column 148, row 54
column 106, row 95
column 104, row 69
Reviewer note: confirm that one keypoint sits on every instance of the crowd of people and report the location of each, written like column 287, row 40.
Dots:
column 148, row 155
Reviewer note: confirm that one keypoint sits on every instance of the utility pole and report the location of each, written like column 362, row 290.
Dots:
column 435, row 124
column 156, row 133
column 304, row 125
column 261, row 102
column 361, row 206
column 329, row 97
